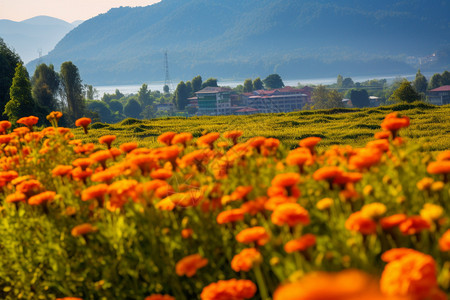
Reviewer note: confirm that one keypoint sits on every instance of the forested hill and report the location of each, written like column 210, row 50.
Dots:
column 229, row 38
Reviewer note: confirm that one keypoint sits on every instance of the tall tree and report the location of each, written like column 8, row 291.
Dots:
column 21, row 103
column 257, row 84
column 210, row 82
column 435, row 81
column 273, row 81
column 197, row 83
column 181, row 96
column 72, row 90
column 166, row 89
column 189, row 88
column 325, row 99
column 420, row 83
column 359, row 98
column 132, row 109
column 339, row 81
column 45, row 86
column 144, row 96
column 116, row 106
column 445, row 78
column 405, row 93
column 348, row 83
column 248, row 86
column 8, row 63
column 90, row 92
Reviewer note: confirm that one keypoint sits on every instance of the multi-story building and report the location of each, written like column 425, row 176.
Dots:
column 213, row 101
column 286, row 99
column 439, row 96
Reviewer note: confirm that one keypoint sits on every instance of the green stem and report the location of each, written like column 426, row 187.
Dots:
column 261, row 283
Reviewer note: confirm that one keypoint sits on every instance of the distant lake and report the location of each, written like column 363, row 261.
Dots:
column 158, row 86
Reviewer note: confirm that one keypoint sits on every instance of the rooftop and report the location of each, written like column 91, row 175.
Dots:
column 213, row 90
column 445, row 88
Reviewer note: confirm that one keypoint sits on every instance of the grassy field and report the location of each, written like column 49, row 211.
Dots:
column 429, row 126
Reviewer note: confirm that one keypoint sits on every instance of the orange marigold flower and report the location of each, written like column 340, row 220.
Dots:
column 286, row 179
column 381, row 144
column 101, row 156
column 229, row 216
column 439, row 167
column 190, row 264
column 83, row 122
column 28, row 121
column 392, row 221
column 357, row 222
column 393, row 124
column 347, row 177
column 128, row 147
column 106, row 175
column 365, row 158
column 241, row 192
column 424, row 183
column 327, row 173
column 301, row 244
column 310, row 142
column 246, row 259
column 107, row 139
column 69, row 298
column 229, row 289
column 42, row 198
column 84, row 148
column 166, row 138
column 5, row 125
column 290, row 214
column 256, row 142
column 233, row 135
column 257, row 234
column 80, row 174
column 94, row 192
column 83, row 229
column 299, row 157
column 396, row 253
column 182, row 138
column 411, row 275
column 165, row 204
column 273, row 202
column 83, row 163
column 5, row 139
column 8, row 176
column 383, row 135
column 161, row 174
column 27, row 186
column 168, row 153
column 159, row 297
column 413, row 225
column 444, row 242
column 345, row 285
column 444, row 155
column 187, row 233
column 208, row 139
column 164, row 191
column 255, row 206
column 16, row 197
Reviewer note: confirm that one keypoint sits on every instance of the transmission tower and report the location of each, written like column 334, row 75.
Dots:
column 40, row 55
column 167, row 80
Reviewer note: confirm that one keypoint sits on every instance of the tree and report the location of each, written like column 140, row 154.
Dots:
column 420, row 83
column 166, row 89
column 339, row 81
column 189, row 88
column 248, row 86
column 326, row 99
column 445, row 78
column 45, row 86
column 148, row 112
column 116, row 106
column 273, row 81
column 435, row 81
column 197, row 83
column 359, row 98
column 8, row 63
column 405, row 93
column 72, row 90
column 90, row 91
column 212, row 82
column 21, row 103
column 144, row 96
column 102, row 109
column 181, row 95
column 347, row 83
column 132, row 109
column 257, row 84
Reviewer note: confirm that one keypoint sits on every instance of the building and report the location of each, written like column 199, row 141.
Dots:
column 286, row 99
column 439, row 96
column 214, row 101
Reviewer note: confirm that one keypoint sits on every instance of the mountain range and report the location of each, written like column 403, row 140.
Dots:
column 31, row 36
column 250, row 38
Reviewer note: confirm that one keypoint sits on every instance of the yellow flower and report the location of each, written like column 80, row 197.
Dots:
column 373, row 210
column 431, row 211
column 324, row 204
column 437, row 186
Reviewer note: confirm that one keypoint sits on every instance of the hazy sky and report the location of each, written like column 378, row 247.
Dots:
column 68, row 10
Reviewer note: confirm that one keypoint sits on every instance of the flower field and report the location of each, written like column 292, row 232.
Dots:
column 222, row 216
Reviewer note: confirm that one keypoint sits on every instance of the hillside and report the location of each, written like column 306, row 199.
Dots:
column 353, row 127
column 29, row 36
column 235, row 39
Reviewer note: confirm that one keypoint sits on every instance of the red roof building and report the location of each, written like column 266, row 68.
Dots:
column 440, row 95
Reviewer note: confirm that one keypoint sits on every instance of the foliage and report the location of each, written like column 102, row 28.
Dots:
column 45, row 87
column 102, row 109
column 181, row 95
column 72, row 90
column 258, row 84
column 273, row 81
column 324, row 98
column 405, row 93
column 197, row 83
column 144, row 96
column 359, row 98
column 132, row 109
column 172, row 219
column 248, row 86
column 420, row 83
column 116, row 106
column 212, row 82
column 8, row 63
column 21, row 103
column 90, row 92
